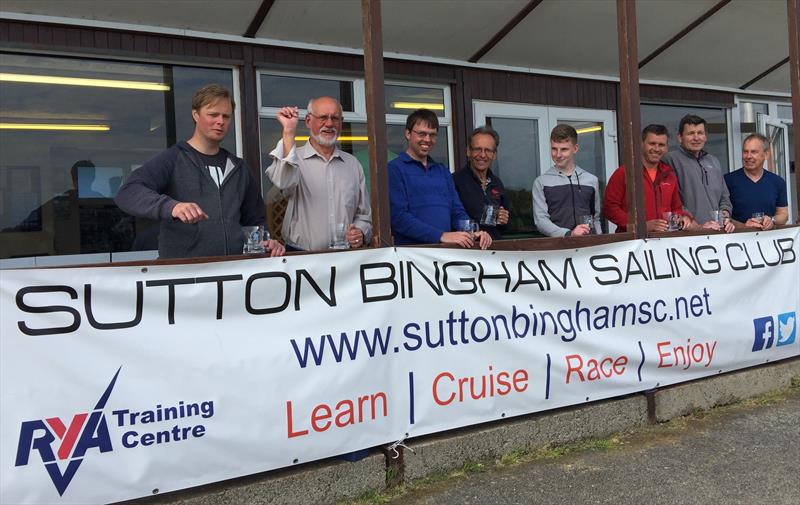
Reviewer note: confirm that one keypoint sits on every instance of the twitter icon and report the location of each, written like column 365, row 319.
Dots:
column 787, row 328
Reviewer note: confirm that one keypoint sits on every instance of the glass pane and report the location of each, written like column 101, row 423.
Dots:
column 591, row 154
column 748, row 115
column 279, row 91
column 776, row 162
column 353, row 140
column 716, row 129
column 67, row 148
column 785, row 112
column 518, row 165
column 406, row 99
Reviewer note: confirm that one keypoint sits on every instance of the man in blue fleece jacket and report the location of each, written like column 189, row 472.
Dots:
column 424, row 203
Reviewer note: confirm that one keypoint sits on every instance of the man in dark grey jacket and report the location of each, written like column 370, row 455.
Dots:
column 201, row 193
column 702, row 188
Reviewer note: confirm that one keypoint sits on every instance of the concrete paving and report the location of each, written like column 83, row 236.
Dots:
column 741, row 454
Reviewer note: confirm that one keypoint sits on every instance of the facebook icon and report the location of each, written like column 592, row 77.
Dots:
column 764, row 333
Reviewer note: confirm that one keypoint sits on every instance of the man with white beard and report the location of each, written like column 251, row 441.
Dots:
column 324, row 185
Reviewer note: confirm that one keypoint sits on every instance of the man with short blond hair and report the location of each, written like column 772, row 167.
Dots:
column 566, row 198
column 324, row 185
column 201, row 193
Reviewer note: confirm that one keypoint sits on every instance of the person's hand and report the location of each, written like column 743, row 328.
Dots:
column 275, row 248
column 686, row 222
column 288, row 118
column 728, row 226
column 188, row 212
column 460, row 238
column 485, row 240
column 657, row 225
column 769, row 223
column 581, row 229
column 355, row 237
column 502, row 216
column 752, row 223
column 713, row 225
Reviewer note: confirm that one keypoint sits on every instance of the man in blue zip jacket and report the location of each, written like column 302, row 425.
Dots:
column 424, row 203
column 201, row 193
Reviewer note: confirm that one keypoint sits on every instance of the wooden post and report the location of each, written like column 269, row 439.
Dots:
column 630, row 116
column 372, row 36
column 793, row 8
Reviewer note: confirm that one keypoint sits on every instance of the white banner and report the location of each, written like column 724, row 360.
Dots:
column 121, row 382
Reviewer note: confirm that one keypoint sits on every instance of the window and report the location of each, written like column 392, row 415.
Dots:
column 716, row 127
column 279, row 89
column 72, row 130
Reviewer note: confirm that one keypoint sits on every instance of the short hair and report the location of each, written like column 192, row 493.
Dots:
column 311, row 103
column 422, row 116
column 485, row 130
column 564, row 132
column 692, row 120
column 655, row 129
column 763, row 138
column 209, row 94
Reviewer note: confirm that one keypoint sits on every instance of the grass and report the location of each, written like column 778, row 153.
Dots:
column 519, row 457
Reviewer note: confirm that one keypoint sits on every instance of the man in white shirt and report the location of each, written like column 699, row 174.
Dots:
column 324, row 185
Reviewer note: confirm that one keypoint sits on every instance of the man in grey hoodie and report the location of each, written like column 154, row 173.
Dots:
column 566, row 198
column 201, row 193
column 702, row 188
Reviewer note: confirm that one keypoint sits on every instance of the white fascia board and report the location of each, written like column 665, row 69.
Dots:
column 359, row 52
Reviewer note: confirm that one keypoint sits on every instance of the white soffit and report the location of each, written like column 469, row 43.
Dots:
column 742, row 40
column 659, row 21
column 218, row 16
column 453, row 29
column 777, row 81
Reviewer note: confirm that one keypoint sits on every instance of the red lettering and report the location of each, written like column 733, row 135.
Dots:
column 292, row 433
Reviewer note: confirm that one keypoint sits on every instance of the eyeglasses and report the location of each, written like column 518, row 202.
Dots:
column 482, row 150
column 423, row 135
column 325, row 119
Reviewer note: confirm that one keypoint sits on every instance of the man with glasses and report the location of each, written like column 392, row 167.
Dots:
column 702, row 188
column 566, row 198
column 424, row 203
column 479, row 188
column 324, row 185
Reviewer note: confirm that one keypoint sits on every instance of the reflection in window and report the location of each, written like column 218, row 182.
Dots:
column 517, row 165
column 407, row 99
column 281, row 91
column 716, row 127
column 72, row 130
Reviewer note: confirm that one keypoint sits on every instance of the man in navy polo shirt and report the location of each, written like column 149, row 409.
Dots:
column 755, row 190
column 424, row 203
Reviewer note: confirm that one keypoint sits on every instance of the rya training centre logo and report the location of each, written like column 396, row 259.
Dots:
column 764, row 329
column 87, row 430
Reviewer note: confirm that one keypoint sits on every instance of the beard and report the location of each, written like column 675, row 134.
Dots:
column 326, row 142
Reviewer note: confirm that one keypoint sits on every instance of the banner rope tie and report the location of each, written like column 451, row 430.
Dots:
column 397, row 444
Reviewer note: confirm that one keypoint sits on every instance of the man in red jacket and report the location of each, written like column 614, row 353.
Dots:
column 660, row 187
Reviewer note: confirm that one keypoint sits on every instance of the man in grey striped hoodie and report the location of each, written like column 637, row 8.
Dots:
column 566, row 198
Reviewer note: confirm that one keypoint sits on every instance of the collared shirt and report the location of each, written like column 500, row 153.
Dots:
column 702, row 188
column 321, row 194
column 764, row 195
column 423, row 200
column 474, row 197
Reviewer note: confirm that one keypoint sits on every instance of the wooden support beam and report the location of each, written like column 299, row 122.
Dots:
column 765, row 73
column 793, row 10
column 504, row 31
column 258, row 18
column 372, row 35
column 694, row 24
column 629, row 116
